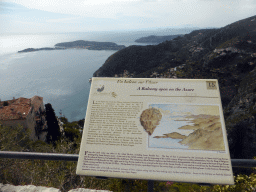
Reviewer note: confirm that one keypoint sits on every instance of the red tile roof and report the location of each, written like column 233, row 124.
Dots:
column 19, row 108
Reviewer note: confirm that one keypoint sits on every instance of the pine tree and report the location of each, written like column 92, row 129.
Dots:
column 52, row 123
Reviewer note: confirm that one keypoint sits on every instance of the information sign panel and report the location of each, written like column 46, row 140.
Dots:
column 155, row 129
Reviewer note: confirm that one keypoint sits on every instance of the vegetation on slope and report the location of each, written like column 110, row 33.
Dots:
column 227, row 54
column 156, row 39
column 62, row 174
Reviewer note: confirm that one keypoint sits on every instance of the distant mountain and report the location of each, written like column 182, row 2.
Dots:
column 227, row 54
column 156, row 39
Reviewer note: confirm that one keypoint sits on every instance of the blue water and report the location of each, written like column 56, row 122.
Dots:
column 59, row 76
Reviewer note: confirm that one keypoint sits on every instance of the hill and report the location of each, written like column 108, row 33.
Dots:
column 91, row 45
column 156, row 39
column 227, row 54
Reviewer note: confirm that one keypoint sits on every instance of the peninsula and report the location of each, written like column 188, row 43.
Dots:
column 80, row 44
column 91, row 45
column 40, row 49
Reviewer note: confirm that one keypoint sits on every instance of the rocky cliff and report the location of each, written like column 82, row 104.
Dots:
column 227, row 54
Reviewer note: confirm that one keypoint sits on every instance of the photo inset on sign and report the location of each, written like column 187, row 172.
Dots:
column 181, row 126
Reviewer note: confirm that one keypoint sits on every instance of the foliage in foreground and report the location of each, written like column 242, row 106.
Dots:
column 62, row 174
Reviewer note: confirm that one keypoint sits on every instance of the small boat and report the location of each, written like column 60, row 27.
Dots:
column 90, row 80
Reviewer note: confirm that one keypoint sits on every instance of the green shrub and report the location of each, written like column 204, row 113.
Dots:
column 62, row 174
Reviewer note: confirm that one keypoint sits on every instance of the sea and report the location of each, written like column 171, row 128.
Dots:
column 61, row 77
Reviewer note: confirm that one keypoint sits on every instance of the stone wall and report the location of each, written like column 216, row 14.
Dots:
column 14, row 122
column 31, row 123
column 32, row 188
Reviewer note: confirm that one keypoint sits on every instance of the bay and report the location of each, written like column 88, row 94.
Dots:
column 59, row 76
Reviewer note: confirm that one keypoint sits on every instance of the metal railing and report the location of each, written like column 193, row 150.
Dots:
column 39, row 156
column 248, row 163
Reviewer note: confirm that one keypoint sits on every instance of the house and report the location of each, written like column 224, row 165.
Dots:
column 27, row 112
column 154, row 74
column 218, row 50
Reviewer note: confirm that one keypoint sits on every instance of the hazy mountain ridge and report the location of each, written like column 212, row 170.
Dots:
column 156, row 39
column 227, row 54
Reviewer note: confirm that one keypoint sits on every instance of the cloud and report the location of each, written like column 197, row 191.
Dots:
column 64, row 20
column 171, row 9
column 130, row 14
column 109, row 8
column 104, row 2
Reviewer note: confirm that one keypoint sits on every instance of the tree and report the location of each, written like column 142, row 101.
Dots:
column 5, row 103
column 52, row 123
column 81, row 123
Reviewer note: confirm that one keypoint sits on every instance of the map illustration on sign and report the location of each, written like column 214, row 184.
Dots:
column 182, row 126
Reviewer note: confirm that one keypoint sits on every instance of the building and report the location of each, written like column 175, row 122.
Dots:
column 27, row 112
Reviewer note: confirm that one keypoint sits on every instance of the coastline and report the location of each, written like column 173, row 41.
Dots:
column 207, row 133
column 79, row 44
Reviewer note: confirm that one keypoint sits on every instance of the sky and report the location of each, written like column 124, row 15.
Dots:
column 31, row 16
